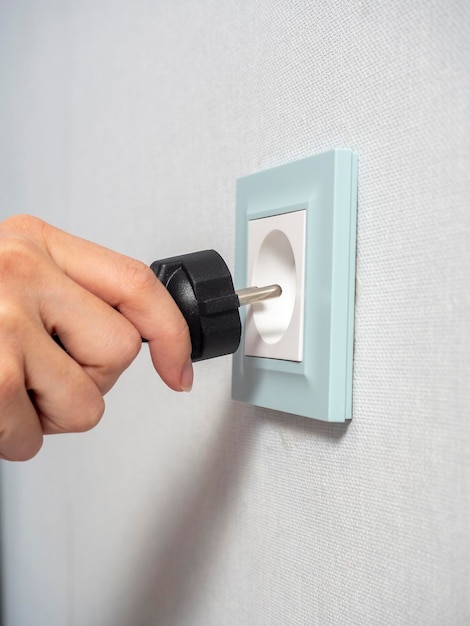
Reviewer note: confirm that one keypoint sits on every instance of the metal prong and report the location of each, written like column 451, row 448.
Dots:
column 250, row 295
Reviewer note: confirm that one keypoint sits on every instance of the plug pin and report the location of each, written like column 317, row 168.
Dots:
column 250, row 295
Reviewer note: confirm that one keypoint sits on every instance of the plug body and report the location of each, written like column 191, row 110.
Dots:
column 202, row 287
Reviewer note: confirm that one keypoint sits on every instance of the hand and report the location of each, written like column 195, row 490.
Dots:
column 99, row 303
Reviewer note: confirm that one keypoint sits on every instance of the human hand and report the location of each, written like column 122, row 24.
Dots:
column 99, row 303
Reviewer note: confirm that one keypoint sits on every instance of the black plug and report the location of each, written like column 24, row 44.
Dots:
column 202, row 287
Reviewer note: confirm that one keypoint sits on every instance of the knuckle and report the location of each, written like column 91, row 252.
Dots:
column 20, row 441
column 22, row 223
column 11, row 380
column 122, row 346
column 89, row 417
column 176, row 331
column 27, row 451
column 138, row 277
column 18, row 258
column 12, row 319
column 130, row 344
column 181, row 332
column 34, row 448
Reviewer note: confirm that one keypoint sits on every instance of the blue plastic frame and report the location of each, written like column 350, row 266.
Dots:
column 319, row 387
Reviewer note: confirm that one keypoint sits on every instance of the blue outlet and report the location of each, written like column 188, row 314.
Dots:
column 320, row 385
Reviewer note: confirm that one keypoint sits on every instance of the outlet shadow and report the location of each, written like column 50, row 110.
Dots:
column 293, row 423
column 174, row 574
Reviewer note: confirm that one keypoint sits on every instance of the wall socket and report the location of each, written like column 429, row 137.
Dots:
column 276, row 255
column 296, row 226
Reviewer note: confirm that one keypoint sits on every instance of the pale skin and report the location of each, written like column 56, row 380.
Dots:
column 100, row 303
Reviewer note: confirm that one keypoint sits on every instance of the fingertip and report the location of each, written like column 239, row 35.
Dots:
column 167, row 359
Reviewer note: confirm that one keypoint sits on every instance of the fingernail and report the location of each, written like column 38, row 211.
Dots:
column 187, row 377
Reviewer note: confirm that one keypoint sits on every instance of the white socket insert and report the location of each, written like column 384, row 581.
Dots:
column 276, row 255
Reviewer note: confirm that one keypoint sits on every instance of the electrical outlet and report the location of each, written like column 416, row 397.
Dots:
column 296, row 226
column 276, row 255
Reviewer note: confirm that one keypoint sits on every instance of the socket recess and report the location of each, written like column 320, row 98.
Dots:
column 276, row 255
column 296, row 226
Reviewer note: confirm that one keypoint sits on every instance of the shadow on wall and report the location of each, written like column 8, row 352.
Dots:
column 174, row 574
column 295, row 428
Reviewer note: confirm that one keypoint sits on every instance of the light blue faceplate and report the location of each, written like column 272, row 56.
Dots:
column 321, row 385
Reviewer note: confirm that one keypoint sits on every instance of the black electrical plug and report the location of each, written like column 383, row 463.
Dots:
column 202, row 287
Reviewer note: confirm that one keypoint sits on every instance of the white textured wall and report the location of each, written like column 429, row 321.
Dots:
column 127, row 122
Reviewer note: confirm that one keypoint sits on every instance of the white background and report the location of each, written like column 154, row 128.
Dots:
column 128, row 122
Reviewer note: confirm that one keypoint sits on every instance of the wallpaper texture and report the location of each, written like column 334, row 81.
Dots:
column 128, row 122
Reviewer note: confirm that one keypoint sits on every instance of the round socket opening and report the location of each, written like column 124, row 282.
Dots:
column 274, row 264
